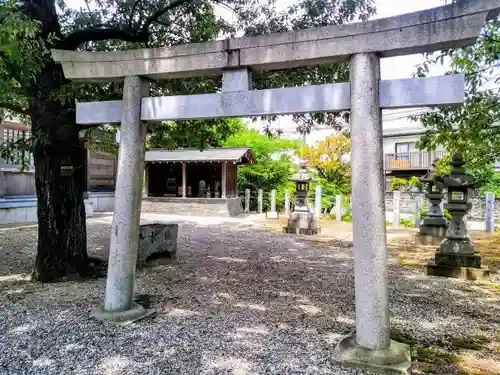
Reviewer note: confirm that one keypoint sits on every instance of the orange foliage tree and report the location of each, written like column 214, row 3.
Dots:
column 330, row 159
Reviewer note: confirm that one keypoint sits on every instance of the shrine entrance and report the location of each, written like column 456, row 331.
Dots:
column 363, row 45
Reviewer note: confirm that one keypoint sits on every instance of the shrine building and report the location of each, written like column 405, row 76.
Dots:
column 193, row 181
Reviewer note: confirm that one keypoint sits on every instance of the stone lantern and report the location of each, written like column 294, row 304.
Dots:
column 302, row 220
column 434, row 225
column 457, row 255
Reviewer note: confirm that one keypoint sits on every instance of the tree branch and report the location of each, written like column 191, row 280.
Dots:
column 96, row 34
column 131, row 16
column 33, row 10
column 321, row 172
column 159, row 13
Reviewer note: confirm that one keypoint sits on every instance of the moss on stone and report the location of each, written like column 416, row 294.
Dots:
column 495, row 287
column 442, row 355
column 411, row 263
column 436, row 356
column 470, row 343
column 402, row 337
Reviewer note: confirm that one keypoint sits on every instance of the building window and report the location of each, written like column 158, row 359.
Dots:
column 403, row 150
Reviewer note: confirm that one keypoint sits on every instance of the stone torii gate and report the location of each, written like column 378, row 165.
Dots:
column 363, row 44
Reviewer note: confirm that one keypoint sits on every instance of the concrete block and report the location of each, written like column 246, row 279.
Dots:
column 210, row 207
column 19, row 183
column 89, row 208
column 158, row 239
column 102, row 202
column 272, row 215
column 12, row 215
column 3, row 183
column 464, row 273
column 303, row 231
column 31, row 214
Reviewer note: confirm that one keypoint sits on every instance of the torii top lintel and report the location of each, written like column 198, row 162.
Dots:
column 449, row 26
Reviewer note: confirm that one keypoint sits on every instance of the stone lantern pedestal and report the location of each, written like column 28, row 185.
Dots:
column 457, row 255
column 302, row 220
column 434, row 226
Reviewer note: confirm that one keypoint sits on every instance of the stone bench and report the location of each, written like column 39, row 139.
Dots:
column 157, row 239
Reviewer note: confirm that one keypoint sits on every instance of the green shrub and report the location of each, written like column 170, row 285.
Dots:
column 446, row 214
column 398, row 182
column 347, row 217
column 407, row 223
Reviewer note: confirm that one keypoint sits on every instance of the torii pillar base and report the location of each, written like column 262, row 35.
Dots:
column 393, row 360
column 136, row 313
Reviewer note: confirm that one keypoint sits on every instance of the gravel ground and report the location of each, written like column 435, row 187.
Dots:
column 239, row 300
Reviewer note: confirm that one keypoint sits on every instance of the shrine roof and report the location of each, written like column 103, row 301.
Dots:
column 240, row 155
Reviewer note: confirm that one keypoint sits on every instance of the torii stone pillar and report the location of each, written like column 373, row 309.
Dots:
column 371, row 347
column 120, row 283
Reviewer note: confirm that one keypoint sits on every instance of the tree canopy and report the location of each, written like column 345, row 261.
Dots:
column 471, row 129
column 194, row 133
column 273, row 160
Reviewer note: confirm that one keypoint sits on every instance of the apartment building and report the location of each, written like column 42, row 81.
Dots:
column 402, row 158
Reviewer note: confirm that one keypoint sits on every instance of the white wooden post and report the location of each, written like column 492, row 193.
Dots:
column 338, row 208
column 418, row 199
column 184, row 180
column 260, row 200
column 145, row 182
column 287, row 203
column 247, row 200
column 490, row 212
column 317, row 201
column 273, row 200
column 396, row 199
column 273, row 214
column 223, row 180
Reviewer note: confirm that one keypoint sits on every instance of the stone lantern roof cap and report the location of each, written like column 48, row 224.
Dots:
column 431, row 176
column 458, row 177
column 302, row 175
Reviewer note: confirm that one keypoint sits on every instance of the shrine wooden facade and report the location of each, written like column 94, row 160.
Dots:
column 191, row 173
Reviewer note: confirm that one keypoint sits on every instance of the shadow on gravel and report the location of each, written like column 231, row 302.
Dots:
column 239, row 300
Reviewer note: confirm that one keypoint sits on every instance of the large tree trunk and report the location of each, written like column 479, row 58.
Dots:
column 59, row 179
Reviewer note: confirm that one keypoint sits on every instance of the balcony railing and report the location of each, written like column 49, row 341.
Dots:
column 411, row 160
